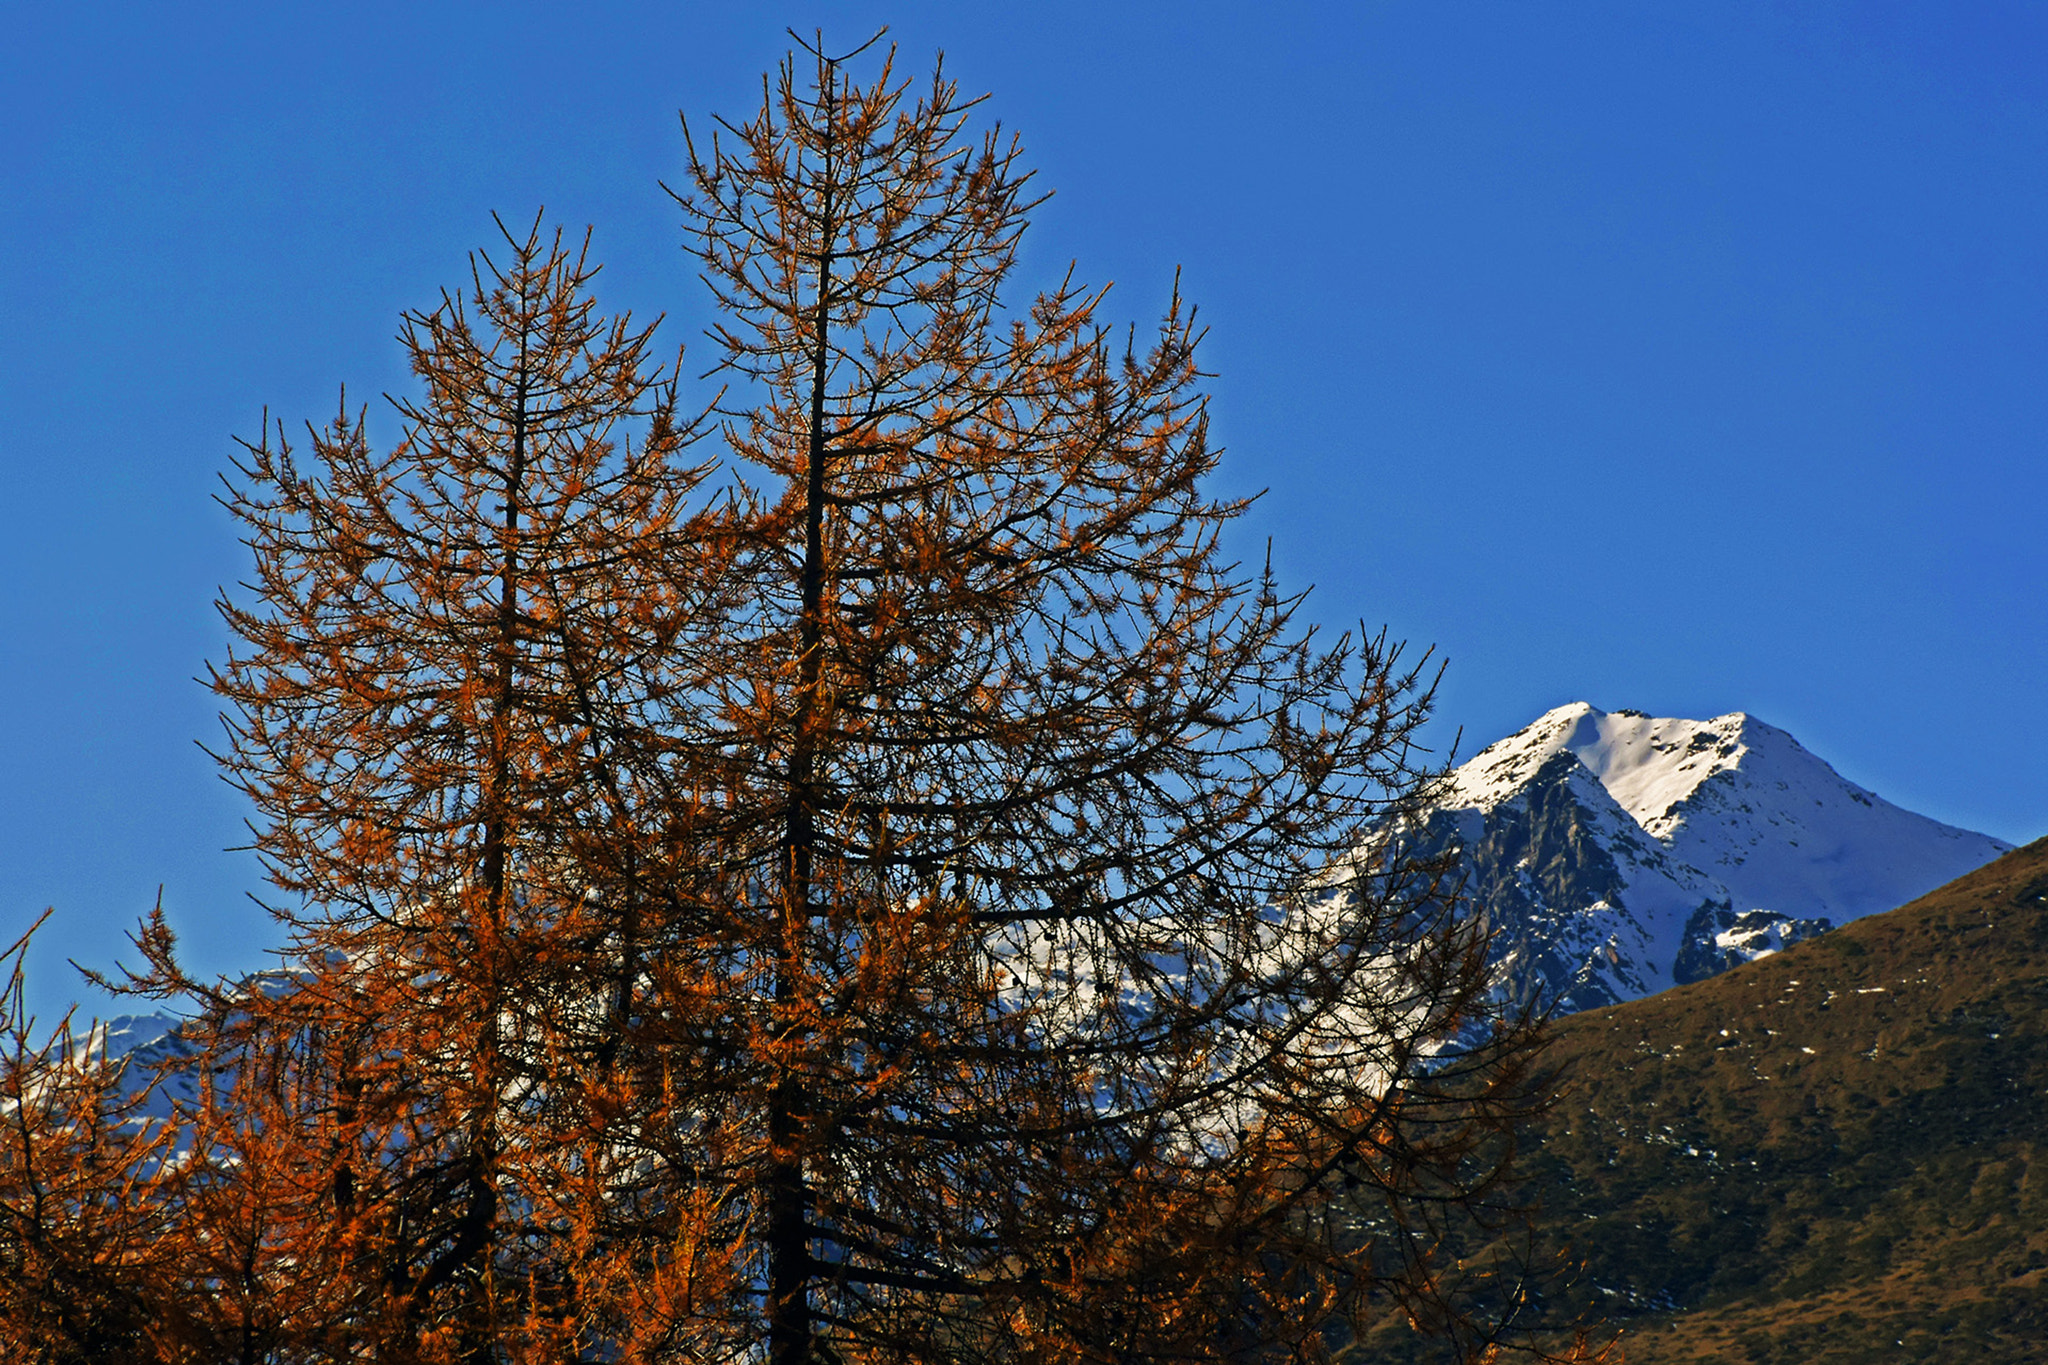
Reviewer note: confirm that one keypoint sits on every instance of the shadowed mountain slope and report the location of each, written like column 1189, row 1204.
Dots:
column 1835, row 1153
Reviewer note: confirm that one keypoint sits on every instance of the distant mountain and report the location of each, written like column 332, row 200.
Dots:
column 145, row 1041
column 1618, row 854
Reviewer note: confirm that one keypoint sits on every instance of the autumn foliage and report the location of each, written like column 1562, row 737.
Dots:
column 855, row 874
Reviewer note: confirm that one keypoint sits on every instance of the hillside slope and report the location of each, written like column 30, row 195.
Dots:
column 1836, row 1153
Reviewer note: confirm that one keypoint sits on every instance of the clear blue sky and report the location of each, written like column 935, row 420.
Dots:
column 1680, row 357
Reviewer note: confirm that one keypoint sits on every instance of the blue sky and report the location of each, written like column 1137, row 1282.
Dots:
column 1683, row 358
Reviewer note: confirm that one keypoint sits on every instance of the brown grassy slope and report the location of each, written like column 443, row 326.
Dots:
column 1839, row 1153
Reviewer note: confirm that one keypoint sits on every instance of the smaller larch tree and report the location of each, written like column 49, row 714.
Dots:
column 451, row 676
column 82, row 1212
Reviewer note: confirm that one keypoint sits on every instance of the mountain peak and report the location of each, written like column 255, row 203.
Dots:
column 1630, row 851
column 1648, row 764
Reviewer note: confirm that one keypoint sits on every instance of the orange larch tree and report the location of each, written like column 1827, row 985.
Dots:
column 82, row 1213
column 1057, row 997
column 452, row 670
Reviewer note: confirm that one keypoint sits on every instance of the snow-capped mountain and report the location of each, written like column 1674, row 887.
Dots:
column 142, row 1044
column 1617, row 854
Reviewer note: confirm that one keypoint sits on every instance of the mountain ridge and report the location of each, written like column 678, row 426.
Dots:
column 1616, row 854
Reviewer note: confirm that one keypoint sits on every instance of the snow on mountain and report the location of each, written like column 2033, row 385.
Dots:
column 144, row 1043
column 1618, row 853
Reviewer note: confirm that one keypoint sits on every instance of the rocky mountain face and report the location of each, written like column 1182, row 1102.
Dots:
column 1618, row 854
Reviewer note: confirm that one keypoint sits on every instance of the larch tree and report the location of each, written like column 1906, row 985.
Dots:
column 453, row 654
column 80, row 1216
column 1055, row 1007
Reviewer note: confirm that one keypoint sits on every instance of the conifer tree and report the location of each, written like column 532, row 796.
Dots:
column 79, row 1219
column 1055, row 996
column 439, row 709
